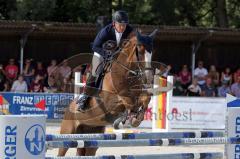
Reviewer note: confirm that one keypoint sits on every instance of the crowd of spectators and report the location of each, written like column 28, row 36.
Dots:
column 37, row 77
column 206, row 82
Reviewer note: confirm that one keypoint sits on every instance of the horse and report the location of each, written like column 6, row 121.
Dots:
column 119, row 100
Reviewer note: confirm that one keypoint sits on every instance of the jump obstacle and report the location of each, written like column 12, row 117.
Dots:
column 25, row 137
column 153, row 156
column 127, row 136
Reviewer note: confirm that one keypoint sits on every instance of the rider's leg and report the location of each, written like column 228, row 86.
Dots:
column 91, row 81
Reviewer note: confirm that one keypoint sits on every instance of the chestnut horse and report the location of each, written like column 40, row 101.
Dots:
column 118, row 101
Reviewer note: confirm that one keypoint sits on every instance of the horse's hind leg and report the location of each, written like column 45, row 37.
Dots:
column 67, row 127
column 83, row 129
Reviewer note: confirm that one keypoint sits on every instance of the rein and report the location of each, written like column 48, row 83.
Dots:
column 114, row 59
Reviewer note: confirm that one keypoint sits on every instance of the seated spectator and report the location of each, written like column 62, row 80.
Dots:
column 184, row 77
column 7, row 87
column 224, row 89
column 68, row 85
column 235, row 88
column 11, row 71
column 214, row 75
column 36, row 85
column 52, row 67
column 52, row 86
column 2, row 78
column 177, row 87
column 28, row 72
column 226, row 75
column 208, row 89
column 194, row 89
column 40, row 70
column 19, row 85
column 236, row 75
column 200, row 73
column 65, row 70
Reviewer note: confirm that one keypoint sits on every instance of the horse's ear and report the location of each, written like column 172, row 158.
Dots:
column 152, row 35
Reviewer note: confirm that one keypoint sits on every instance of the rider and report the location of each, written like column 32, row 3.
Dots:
column 117, row 31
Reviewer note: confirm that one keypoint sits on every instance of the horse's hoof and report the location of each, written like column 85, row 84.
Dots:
column 135, row 122
column 118, row 123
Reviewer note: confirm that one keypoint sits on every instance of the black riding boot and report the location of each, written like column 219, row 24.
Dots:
column 91, row 82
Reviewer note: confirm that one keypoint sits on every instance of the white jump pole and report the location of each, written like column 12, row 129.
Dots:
column 158, row 114
column 78, row 84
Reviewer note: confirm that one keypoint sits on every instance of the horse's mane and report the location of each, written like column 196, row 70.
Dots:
column 130, row 46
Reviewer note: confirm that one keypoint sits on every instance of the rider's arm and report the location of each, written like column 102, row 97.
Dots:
column 100, row 39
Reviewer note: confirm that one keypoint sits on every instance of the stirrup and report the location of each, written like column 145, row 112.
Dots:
column 81, row 102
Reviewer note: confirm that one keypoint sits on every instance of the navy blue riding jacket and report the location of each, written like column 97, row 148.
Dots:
column 108, row 33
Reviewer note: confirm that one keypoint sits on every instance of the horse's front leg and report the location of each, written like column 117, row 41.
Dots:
column 143, row 102
column 127, row 102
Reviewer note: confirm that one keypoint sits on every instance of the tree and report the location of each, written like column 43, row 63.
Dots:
column 40, row 10
column 221, row 13
column 233, row 13
column 7, row 8
column 81, row 10
column 206, row 13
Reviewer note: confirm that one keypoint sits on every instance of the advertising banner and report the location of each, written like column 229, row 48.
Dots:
column 196, row 113
column 233, row 126
column 51, row 104
column 22, row 136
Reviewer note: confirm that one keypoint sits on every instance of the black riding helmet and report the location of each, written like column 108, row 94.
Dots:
column 120, row 16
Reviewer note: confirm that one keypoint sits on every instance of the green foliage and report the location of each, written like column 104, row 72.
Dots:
column 233, row 7
column 80, row 10
column 206, row 13
column 164, row 12
column 34, row 10
column 7, row 8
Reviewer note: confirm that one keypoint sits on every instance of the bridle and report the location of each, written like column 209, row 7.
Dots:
column 113, row 58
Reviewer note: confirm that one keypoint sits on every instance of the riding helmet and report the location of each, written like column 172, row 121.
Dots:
column 120, row 16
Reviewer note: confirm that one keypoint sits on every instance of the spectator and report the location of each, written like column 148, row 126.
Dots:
column 52, row 86
column 19, row 85
column 65, row 70
column 28, row 72
column 7, row 87
column 194, row 89
column 2, row 77
column 11, row 71
column 184, row 77
column 214, row 75
column 37, row 85
column 68, row 85
column 208, row 89
column 226, row 75
column 52, row 67
column 200, row 73
column 224, row 89
column 177, row 87
column 40, row 70
column 235, row 88
column 236, row 75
